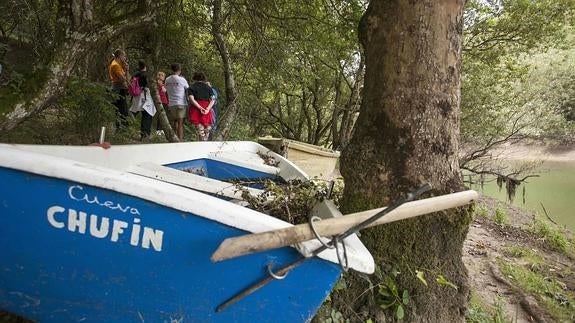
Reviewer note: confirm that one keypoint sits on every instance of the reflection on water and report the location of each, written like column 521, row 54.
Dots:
column 555, row 188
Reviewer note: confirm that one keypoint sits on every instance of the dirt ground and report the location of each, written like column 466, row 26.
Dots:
column 487, row 245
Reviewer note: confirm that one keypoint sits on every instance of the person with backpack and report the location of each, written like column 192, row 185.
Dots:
column 177, row 87
column 118, row 73
column 142, row 100
column 201, row 100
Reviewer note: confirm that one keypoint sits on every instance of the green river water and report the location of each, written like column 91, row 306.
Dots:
column 555, row 188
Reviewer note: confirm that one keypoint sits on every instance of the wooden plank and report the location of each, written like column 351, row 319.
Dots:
column 196, row 182
column 251, row 243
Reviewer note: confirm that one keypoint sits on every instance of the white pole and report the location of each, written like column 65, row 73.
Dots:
column 102, row 135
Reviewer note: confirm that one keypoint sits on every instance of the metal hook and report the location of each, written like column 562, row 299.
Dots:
column 312, row 219
column 345, row 267
column 271, row 273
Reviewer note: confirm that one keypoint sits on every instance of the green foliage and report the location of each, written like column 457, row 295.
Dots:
column 421, row 276
column 16, row 81
column 391, row 297
column 335, row 317
column 20, row 85
column 442, row 281
column 76, row 119
column 553, row 236
column 510, row 85
column 85, row 108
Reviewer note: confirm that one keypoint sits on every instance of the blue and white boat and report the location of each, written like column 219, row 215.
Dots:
column 125, row 235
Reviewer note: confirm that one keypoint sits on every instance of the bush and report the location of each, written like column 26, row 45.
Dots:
column 75, row 119
column 554, row 237
column 500, row 216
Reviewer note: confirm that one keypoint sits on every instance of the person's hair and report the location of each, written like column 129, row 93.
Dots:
column 199, row 76
column 176, row 67
column 160, row 73
column 141, row 65
column 118, row 53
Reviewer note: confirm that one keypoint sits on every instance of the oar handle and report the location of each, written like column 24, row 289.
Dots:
column 250, row 243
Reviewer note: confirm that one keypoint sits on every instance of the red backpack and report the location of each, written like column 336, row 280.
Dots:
column 134, row 89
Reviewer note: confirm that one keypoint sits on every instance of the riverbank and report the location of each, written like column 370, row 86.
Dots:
column 535, row 149
column 521, row 265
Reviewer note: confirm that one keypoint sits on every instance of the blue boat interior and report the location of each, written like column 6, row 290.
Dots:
column 226, row 172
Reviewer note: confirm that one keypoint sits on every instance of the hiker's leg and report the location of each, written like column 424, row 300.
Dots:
column 181, row 129
column 122, row 111
column 207, row 131
column 146, row 124
column 200, row 131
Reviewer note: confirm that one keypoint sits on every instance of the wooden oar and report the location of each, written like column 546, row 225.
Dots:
column 251, row 243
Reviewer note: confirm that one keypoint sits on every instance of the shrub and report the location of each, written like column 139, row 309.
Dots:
column 500, row 216
column 554, row 237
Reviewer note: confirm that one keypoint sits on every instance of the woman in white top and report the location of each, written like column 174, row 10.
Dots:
column 143, row 102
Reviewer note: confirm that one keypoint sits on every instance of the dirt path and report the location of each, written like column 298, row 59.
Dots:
column 480, row 250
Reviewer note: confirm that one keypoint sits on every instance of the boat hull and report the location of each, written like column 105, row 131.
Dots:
column 76, row 252
column 316, row 161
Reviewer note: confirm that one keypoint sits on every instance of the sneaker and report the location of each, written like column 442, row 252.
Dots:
column 160, row 133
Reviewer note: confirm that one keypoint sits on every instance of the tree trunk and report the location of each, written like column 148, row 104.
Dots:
column 169, row 132
column 67, row 56
column 407, row 134
column 229, row 113
column 352, row 106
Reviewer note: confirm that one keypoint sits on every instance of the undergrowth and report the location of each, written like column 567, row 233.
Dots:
column 291, row 201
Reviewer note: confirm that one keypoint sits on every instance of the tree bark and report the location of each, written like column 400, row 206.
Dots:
column 169, row 132
column 229, row 113
column 407, row 133
column 72, row 51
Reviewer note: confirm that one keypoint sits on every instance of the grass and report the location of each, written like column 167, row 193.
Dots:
column 500, row 216
column 528, row 255
column 481, row 312
column 481, row 210
column 548, row 291
column 554, row 237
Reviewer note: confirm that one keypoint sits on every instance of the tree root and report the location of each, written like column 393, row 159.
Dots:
column 527, row 302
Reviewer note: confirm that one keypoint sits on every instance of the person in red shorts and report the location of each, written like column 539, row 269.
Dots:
column 201, row 100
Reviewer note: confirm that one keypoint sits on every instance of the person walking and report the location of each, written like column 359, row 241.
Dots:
column 177, row 87
column 201, row 100
column 143, row 102
column 118, row 73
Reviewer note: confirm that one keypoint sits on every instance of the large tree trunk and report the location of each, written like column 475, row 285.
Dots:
column 72, row 50
column 407, row 134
